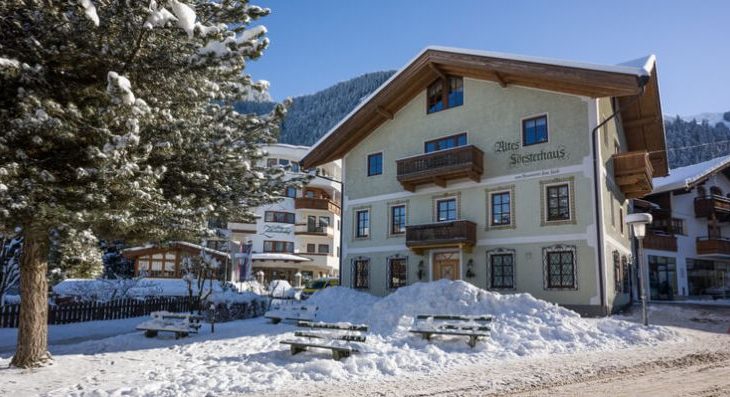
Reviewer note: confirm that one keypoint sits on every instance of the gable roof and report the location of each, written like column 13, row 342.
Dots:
column 691, row 175
column 185, row 246
column 634, row 82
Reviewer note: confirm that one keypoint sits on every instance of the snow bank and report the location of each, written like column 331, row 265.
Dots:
column 522, row 324
column 247, row 356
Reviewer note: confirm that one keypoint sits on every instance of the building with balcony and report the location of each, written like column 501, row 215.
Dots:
column 687, row 247
column 301, row 232
column 510, row 172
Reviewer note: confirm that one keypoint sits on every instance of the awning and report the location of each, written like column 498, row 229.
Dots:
column 278, row 256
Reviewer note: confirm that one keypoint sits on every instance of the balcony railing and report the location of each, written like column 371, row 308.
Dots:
column 317, row 229
column 632, row 171
column 441, row 166
column 706, row 206
column 713, row 246
column 317, row 204
column 662, row 242
column 442, row 234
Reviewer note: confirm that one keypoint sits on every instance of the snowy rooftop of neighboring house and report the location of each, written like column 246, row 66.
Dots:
column 275, row 256
column 685, row 177
column 172, row 244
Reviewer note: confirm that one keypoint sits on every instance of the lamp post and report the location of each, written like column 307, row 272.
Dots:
column 638, row 224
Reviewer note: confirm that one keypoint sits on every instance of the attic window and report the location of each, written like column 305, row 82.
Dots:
column 445, row 94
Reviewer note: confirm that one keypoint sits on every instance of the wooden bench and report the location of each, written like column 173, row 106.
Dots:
column 338, row 352
column 334, row 326
column 291, row 313
column 180, row 324
column 471, row 326
column 331, row 335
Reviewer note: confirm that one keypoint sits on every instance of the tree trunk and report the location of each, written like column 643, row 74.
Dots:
column 32, row 348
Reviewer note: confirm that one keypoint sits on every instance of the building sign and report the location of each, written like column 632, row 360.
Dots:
column 277, row 229
column 517, row 159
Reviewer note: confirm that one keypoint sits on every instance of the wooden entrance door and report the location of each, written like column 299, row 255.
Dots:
column 446, row 265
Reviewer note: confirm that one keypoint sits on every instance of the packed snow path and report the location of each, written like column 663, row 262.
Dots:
column 246, row 356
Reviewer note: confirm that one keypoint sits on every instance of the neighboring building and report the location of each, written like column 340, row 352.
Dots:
column 510, row 172
column 165, row 261
column 300, row 233
column 687, row 246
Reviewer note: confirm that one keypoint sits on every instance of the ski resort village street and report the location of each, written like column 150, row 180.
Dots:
column 203, row 198
column 535, row 348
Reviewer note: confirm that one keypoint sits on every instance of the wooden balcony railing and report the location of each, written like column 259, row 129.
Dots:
column 705, row 206
column 442, row 234
column 633, row 172
column 713, row 246
column 662, row 242
column 317, row 204
column 441, row 166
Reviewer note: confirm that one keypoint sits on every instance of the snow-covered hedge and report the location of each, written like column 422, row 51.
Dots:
column 231, row 306
column 104, row 289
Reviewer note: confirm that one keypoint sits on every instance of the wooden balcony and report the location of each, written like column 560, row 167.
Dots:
column 713, row 246
column 633, row 172
column 317, row 204
column 313, row 229
column 462, row 234
column 662, row 242
column 441, row 166
column 706, row 206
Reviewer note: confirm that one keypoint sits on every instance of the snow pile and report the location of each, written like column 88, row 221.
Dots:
column 247, row 356
column 282, row 289
column 522, row 324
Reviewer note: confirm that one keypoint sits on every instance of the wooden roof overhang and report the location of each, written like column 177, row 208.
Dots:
column 133, row 253
column 643, row 115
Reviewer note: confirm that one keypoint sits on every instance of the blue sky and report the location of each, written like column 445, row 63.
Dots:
column 315, row 44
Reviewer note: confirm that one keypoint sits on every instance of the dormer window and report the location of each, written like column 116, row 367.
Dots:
column 445, row 94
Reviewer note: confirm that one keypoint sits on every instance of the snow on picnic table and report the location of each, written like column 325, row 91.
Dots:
column 247, row 357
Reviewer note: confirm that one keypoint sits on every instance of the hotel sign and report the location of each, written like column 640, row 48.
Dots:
column 517, row 158
column 277, row 229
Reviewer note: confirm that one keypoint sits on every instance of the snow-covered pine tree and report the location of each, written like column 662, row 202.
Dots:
column 117, row 118
column 116, row 266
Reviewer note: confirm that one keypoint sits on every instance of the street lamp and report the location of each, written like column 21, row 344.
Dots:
column 638, row 224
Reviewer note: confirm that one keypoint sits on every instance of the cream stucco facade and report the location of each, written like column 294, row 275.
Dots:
column 491, row 116
column 299, row 234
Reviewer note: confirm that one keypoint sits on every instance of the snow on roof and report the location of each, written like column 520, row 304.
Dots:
column 685, row 177
column 173, row 243
column 641, row 67
column 271, row 256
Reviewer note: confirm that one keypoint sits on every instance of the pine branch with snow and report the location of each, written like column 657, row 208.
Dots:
column 118, row 123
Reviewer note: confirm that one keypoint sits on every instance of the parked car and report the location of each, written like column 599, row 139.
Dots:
column 319, row 284
column 719, row 292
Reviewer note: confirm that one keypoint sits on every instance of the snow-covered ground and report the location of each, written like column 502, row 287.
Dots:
column 246, row 356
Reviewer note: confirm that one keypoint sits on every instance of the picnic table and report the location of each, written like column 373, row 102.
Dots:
column 337, row 337
column 475, row 327
column 181, row 324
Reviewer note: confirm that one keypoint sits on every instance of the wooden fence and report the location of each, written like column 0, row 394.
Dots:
column 95, row 311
